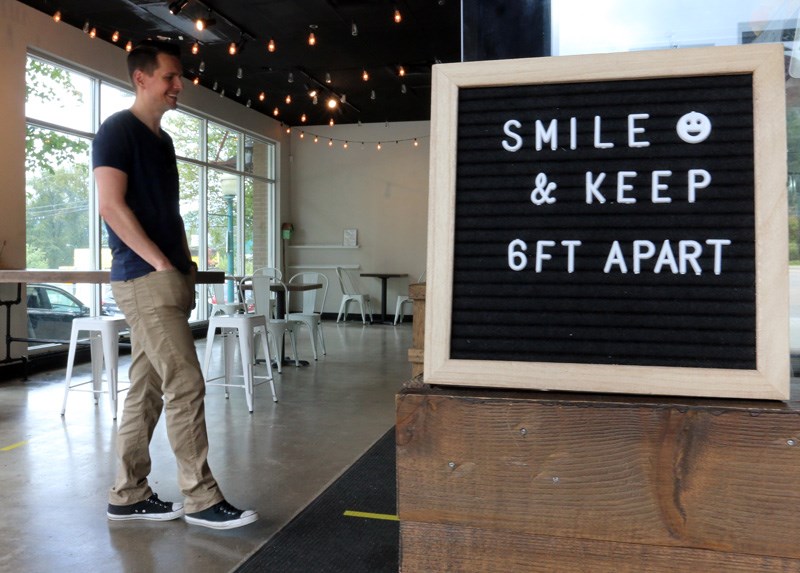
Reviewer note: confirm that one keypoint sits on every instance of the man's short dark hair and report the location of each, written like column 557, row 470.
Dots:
column 144, row 56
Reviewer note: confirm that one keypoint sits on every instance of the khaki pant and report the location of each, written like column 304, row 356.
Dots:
column 163, row 365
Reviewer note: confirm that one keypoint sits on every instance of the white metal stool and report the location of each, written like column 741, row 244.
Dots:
column 246, row 326
column 104, row 343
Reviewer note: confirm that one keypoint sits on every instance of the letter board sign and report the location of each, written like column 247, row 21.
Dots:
column 611, row 223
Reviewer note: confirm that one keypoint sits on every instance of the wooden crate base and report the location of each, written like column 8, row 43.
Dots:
column 492, row 480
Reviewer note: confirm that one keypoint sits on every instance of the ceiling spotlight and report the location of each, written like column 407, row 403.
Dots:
column 177, row 6
column 57, row 16
column 271, row 45
column 398, row 17
column 354, row 29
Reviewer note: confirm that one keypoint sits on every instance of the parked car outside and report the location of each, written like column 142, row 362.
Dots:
column 51, row 310
column 108, row 305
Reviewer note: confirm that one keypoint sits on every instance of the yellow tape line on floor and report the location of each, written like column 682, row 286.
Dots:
column 13, row 446
column 385, row 516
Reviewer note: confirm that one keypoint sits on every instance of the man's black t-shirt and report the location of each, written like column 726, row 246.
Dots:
column 127, row 144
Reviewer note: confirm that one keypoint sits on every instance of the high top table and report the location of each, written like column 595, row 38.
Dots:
column 23, row 276
column 384, row 277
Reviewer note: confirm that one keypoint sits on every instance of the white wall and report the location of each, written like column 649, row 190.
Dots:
column 383, row 194
column 22, row 28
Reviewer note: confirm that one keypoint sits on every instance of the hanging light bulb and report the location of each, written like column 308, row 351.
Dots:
column 303, row 118
column 222, row 92
column 271, row 45
column 196, row 80
column 238, row 92
column 239, row 73
column 129, row 46
column 288, row 99
column 200, row 24
column 291, row 78
column 86, row 27
column 262, row 96
column 57, row 16
column 346, row 145
column 248, row 103
column 302, row 135
column 312, row 93
column 314, row 100
column 214, row 87
column 344, row 98
column 232, row 49
column 115, row 36
column 312, row 39
column 398, row 17
column 416, row 143
column 354, row 29
column 275, row 111
column 327, row 78
column 330, row 141
column 331, row 122
column 403, row 88
column 401, row 71
column 195, row 48
column 372, row 95
column 202, row 67
column 332, row 103
column 288, row 129
column 316, row 139
column 93, row 33
column 379, row 146
column 364, row 75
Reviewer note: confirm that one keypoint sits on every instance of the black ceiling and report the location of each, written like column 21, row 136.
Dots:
column 352, row 36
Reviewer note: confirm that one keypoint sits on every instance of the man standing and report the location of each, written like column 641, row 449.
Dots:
column 153, row 277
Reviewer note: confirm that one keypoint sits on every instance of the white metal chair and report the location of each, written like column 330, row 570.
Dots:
column 402, row 300
column 218, row 303
column 263, row 285
column 311, row 307
column 104, row 344
column 352, row 292
column 246, row 326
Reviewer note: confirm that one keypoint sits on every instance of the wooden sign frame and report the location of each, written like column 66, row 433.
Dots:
column 771, row 377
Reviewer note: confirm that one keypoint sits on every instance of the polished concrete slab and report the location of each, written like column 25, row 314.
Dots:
column 55, row 472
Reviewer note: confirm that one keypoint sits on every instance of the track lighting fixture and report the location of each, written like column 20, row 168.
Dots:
column 177, row 6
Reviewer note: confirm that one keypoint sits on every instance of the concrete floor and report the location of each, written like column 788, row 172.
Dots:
column 55, row 472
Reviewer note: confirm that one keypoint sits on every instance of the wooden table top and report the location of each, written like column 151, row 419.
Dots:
column 76, row 276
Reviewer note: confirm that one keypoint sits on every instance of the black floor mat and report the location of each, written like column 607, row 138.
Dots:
column 322, row 539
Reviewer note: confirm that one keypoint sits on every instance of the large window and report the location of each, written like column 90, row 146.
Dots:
column 227, row 179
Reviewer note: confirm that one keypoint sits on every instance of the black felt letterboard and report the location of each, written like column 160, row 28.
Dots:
column 589, row 316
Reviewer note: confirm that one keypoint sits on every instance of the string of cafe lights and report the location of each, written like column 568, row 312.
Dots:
column 332, row 100
column 347, row 143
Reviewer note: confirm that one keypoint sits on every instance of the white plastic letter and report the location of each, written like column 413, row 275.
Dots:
column 633, row 130
column 592, row 188
column 689, row 252
column 694, row 184
column 666, row 257
column 517, row 260
column 573, row 133
column 571, row 253
column 541, row 255
column 615, row 258
column 597, row 129
column 717, row 244
column 550, row 134
column 658, row 186
column 642, row 250
column 622, row 187
column 515, row 136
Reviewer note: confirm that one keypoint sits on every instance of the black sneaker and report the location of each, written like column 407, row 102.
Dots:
column 222, row 516
column 152, row 508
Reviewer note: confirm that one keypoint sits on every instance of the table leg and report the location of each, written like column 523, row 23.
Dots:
column 383, row 298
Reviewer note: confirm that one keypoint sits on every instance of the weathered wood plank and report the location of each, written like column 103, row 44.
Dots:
column 707, row 474
column 435, row 547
